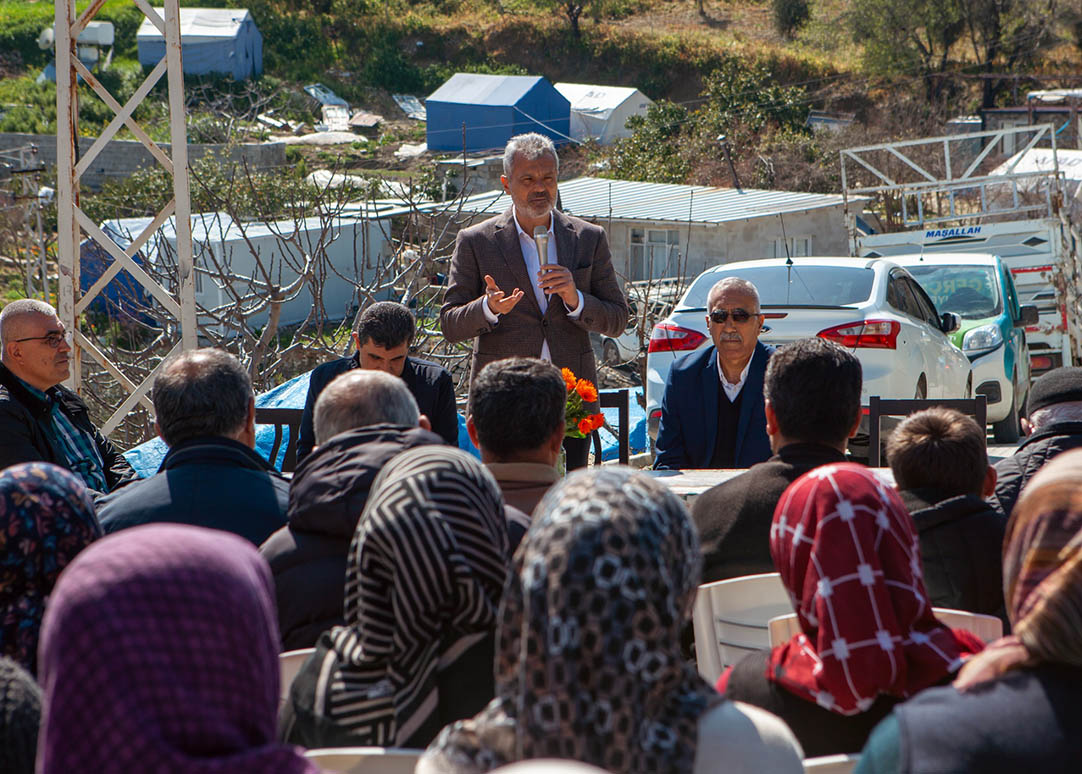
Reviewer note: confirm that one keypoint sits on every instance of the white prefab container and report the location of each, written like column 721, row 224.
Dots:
column 237, row 263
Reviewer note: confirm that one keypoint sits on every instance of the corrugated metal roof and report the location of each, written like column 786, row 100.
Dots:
column 482, row 89
column 599, row 199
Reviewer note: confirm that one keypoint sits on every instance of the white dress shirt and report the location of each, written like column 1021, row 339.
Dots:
column 732, row 390
column 533, row 266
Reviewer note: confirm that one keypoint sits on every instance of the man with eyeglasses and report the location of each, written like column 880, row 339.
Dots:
column 39, row 419
column 712, row 413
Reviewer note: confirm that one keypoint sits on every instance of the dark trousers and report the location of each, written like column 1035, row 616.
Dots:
column 577, row 451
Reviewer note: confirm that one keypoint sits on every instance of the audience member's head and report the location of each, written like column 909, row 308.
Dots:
column 1054, row 397
column 605, row 579
column 204, row 393
column 812, row 392
column 422, row 589
column 1042, row 575
column 358, row 399
column 20, row 714
column 159, row 652
column 848, row 552
column 383, row 336
column 734, row 320
column 941, row 450
column 516, row 411
column 35, row 345
column 46, row 518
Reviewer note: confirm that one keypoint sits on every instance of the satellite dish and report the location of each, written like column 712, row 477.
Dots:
column 46, row 39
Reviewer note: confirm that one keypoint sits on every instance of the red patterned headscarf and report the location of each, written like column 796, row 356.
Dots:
column 848, row 552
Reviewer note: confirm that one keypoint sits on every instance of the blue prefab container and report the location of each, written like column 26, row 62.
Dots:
column 222, row 41
column 494, row 108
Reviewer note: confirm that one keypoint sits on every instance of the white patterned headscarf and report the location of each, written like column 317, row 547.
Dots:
column 423, row 582
column 589, row 666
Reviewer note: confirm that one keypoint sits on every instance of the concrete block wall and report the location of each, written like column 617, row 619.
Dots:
column 120, row 158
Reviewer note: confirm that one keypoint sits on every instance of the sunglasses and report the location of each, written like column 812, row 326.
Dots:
column 52, row 339
column 719, row 316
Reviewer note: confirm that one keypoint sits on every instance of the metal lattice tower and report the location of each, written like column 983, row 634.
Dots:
column 72, row 221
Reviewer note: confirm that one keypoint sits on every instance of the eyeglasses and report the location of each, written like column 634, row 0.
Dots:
column 53, row 339
column 719, row 316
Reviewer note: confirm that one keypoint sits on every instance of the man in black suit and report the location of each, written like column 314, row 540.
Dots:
column 383, row 336
column 812, row 401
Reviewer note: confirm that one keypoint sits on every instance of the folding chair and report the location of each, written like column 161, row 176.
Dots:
column 365, row 760
column 731, row 619
column 987, row 627
column 618, row 399
column 289, row 664
column 280, row 418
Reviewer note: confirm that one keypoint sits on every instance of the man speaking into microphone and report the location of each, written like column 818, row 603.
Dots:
column 533, row 282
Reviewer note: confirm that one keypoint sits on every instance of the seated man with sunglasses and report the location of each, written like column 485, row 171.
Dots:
column 39, row 419
column 712, row 412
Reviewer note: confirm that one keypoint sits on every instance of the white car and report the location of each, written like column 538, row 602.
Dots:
column 869, row 305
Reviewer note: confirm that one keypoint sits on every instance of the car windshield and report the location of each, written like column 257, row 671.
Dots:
column 971, row 292
column 825, row 286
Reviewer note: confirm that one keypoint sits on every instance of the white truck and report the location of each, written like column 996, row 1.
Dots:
column 941, row 196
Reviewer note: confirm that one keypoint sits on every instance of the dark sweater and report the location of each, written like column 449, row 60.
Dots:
column 819, row 731
column 206, row 482
column 733, row 518
column 1024, row 720
column 328, row 493
column 430, row 385
column 961, row 545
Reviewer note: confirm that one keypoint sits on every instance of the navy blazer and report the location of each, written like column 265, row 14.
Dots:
column 689, row 413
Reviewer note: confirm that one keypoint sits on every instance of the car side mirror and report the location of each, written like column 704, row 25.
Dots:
column 949, row 322
column 1028, row 315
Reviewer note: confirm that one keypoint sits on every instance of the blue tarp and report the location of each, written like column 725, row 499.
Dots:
column 221, row 41
column 493, row 109
column 147, row 457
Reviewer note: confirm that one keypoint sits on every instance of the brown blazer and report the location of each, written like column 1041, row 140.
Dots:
column 492, row 247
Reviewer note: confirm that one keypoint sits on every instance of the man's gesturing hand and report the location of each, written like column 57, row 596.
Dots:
column 498, row 301
column 557, row 280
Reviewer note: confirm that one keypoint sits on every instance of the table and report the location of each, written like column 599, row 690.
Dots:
column 689, row 484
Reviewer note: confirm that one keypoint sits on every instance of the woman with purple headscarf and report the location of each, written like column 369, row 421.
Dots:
column 46, row 518
column 159, row 652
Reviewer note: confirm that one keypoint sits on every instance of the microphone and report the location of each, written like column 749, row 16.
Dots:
column 541, row 241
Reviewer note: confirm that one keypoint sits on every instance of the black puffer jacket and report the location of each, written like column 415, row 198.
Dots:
column 961, row 548
column 308, row 556
column 1039, row 448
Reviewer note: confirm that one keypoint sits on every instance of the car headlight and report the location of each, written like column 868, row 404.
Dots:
column 983, row 338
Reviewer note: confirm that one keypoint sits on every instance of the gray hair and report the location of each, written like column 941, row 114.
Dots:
column 530, row 147
column 737, row 284
column 201, row 393
column 16, row 310
column 361, row 398
column 1068, row 411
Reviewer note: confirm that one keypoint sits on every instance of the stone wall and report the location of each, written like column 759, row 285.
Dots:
column 120, row 158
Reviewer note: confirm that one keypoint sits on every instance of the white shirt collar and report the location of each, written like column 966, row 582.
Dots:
column 732, row 390
column 518, row 226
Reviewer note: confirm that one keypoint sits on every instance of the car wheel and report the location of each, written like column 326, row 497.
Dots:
column 1008, row 429
column 610, row 353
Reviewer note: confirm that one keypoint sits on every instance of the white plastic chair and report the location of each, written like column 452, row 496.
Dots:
column 986, row 627
column 731, row 618
column 831, row 764
column 289, row 663
column 365, row 760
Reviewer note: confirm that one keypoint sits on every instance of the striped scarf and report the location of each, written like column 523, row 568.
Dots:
column 423, row 583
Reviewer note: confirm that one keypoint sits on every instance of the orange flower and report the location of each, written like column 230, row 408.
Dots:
column 569, row 378
column 586, row 391
column 585, row 426
column 597, row 420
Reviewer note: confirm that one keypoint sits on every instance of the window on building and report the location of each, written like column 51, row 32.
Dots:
column 654, row 253
column 798, row 246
